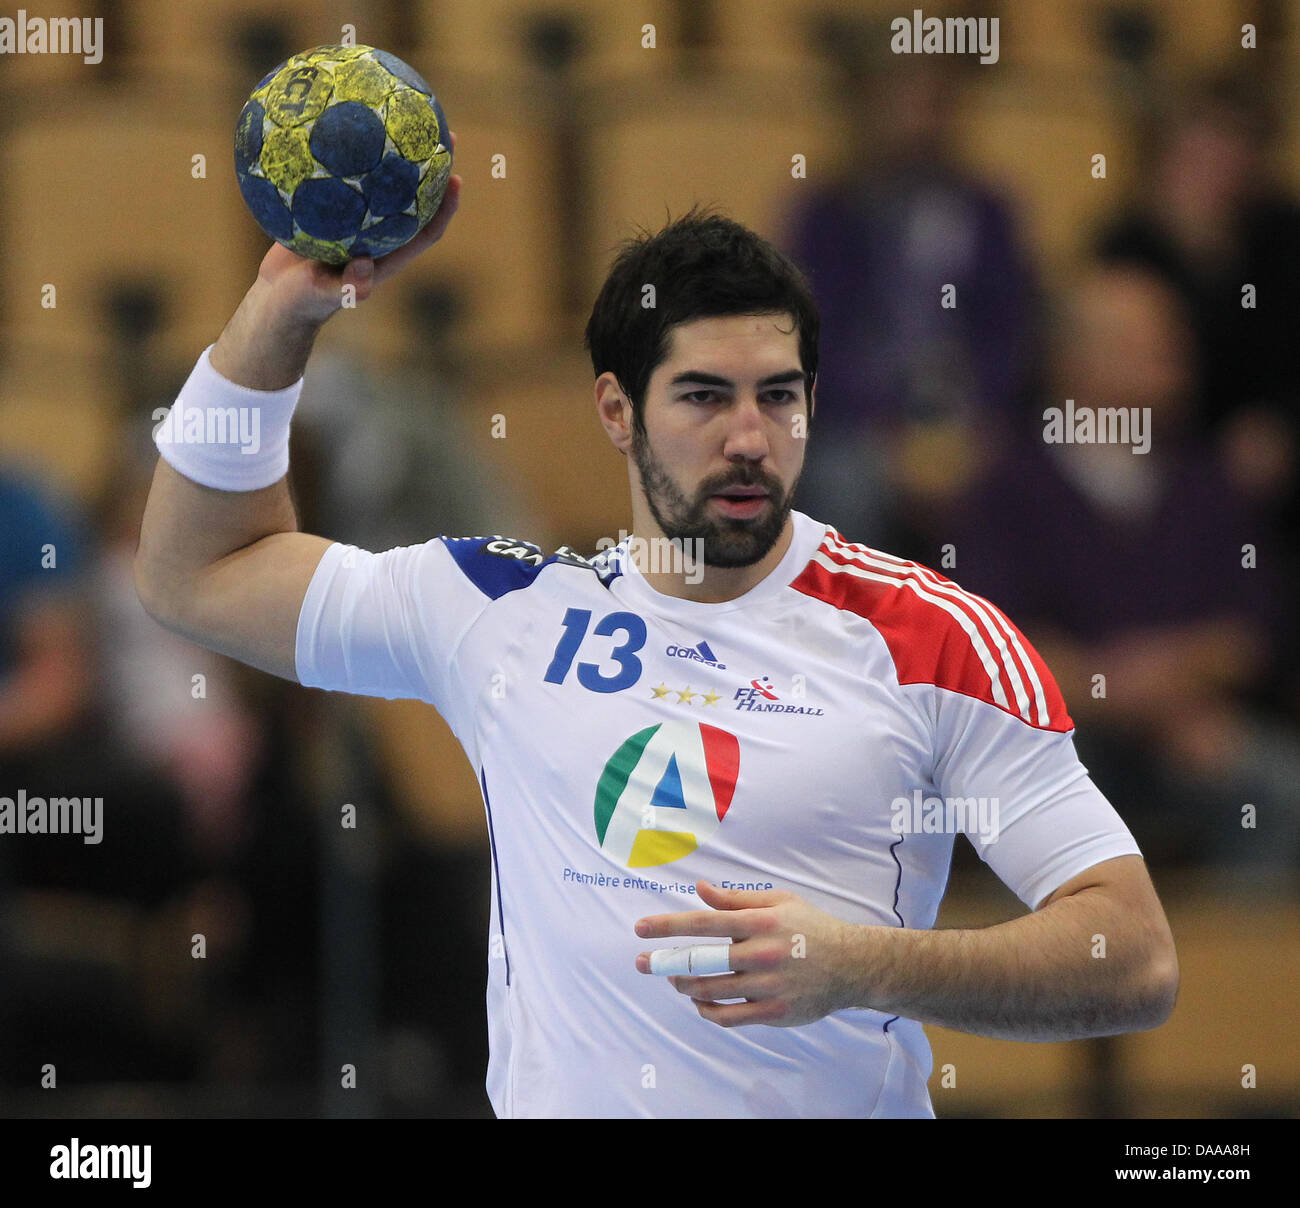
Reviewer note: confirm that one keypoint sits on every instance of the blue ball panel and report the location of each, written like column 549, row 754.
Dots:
column 444, row 135
column 263, row 199
column 386, row 236
column 402, row 71
column 328, row 208
column 348, row 138
column 248, row 137
column 390, row 188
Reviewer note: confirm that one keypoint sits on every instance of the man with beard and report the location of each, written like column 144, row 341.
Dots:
column 748, row 780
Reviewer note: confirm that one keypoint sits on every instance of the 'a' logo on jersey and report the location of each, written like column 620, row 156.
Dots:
column 665, row 791
column 701, row 652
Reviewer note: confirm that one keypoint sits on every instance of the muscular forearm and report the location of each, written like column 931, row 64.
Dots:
column 1039, row 977
column 265, row 346
column 226, row 568
column 188, row 527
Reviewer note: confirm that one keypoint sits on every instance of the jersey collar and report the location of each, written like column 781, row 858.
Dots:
column 631, row 586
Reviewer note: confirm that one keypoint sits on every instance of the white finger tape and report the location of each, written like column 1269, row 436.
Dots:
column 694, row 959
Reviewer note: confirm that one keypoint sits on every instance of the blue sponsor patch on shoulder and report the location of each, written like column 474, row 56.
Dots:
column 497, row 565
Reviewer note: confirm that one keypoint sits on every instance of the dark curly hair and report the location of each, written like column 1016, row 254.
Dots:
column 701, row 265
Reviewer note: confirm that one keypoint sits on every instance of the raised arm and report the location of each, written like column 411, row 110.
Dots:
column 229, row 568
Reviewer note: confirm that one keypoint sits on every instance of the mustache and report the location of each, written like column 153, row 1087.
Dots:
column 750, row 477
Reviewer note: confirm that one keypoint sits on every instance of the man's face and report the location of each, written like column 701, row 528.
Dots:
column 725, row 416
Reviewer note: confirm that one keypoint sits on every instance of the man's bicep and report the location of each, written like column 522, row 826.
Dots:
column 225, row 569
column 246, row 605
column 1125, row 877
column 1124, row 889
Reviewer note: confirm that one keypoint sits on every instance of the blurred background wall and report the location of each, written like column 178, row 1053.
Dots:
column 889, row 178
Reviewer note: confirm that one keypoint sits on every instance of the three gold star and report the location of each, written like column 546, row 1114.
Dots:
column 684, row 695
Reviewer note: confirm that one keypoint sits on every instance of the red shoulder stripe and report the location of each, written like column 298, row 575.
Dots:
column 936, row 632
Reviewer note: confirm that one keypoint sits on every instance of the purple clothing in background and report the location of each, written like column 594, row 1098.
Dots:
column 879, row 254
column 1037, row 546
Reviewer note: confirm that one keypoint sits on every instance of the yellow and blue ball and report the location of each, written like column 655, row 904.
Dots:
column 342, row 151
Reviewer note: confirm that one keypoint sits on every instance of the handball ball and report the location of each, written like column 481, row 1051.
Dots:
column 342, row 151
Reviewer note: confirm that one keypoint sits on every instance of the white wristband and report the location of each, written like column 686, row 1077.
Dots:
column 226, row 436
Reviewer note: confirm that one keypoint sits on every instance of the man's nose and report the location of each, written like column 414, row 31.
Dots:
column 747, row 436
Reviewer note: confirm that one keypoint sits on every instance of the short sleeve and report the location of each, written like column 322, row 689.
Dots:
column 389, row 624
column 1041, row 820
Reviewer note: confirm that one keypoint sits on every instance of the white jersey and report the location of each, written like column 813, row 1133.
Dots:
column 811, row 735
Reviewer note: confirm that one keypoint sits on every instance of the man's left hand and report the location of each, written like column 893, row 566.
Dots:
column 788, row 958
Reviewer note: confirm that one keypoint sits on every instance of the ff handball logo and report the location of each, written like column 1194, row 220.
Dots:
column 665, row 791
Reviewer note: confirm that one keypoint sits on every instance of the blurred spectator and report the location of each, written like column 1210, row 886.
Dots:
column 196, row 835
column 54, row 742
column 176, row 708
column 1129, row 565
column 881, row 246
column 395, row 461
column 44, row 652
column 1212, row 219
column 228, row 813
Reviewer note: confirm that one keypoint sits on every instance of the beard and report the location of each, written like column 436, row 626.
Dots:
column 727, row 541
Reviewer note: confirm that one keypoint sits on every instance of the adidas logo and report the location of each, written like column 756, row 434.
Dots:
column 699, row 653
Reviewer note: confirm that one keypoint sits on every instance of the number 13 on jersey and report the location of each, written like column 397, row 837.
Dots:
column 576, row 623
